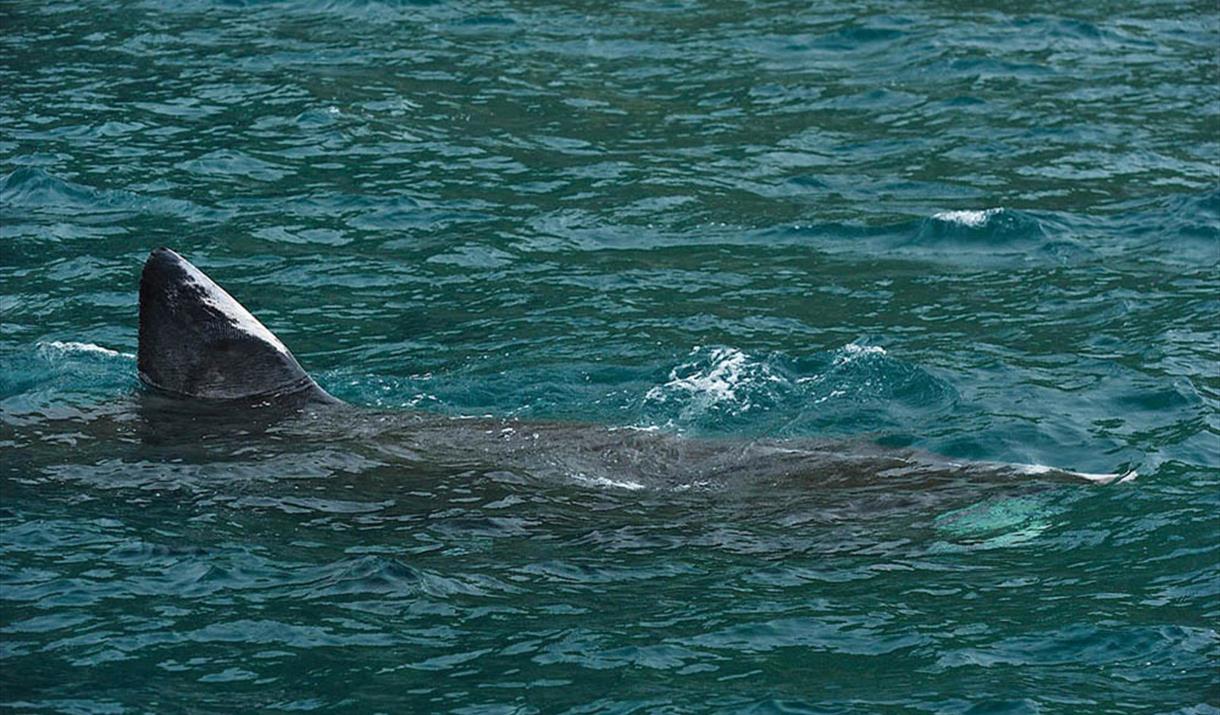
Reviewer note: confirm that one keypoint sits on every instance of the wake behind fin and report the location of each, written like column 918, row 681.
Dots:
column 196, row 341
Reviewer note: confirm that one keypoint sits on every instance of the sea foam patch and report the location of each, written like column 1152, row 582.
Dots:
column 56, row 347
column 971, row 219
column 606, row 482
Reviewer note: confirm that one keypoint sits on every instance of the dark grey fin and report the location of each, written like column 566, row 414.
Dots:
column 197, row 341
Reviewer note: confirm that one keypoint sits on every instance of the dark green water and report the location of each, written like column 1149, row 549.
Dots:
column 987, row 231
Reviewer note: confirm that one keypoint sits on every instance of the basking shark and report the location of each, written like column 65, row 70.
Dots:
column 200, row 347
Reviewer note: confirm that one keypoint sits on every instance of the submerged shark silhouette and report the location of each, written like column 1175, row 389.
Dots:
column 197, row 343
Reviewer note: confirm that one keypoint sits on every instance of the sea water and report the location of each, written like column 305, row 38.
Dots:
column 982, row 231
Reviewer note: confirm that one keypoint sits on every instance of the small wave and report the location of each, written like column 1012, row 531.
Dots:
column 37, row 191
column 986, row 227
column 363, row 576
column 56, row 347
column 994, row 232
column 1181, row 229
column 29, row 187
column 54, row 370
column 862, row 374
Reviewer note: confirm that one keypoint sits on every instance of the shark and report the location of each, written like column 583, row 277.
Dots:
column 201, row 352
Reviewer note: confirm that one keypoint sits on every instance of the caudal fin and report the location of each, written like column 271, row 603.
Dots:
column 197, row 341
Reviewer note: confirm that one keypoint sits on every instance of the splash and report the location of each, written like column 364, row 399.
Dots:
column 854, row 387
column 722, row 379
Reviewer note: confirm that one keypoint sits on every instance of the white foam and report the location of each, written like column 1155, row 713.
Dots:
column 857, row 349
column 730, row 370
column 972, row 219
column 606, row 482
column 853, row 351
column 74, row 347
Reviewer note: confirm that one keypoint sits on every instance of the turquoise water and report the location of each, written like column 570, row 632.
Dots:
column 984, row 231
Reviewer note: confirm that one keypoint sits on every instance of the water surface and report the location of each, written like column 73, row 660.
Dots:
column 978, row 231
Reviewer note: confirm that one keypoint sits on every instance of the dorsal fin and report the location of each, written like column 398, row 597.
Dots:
column 197, row 341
